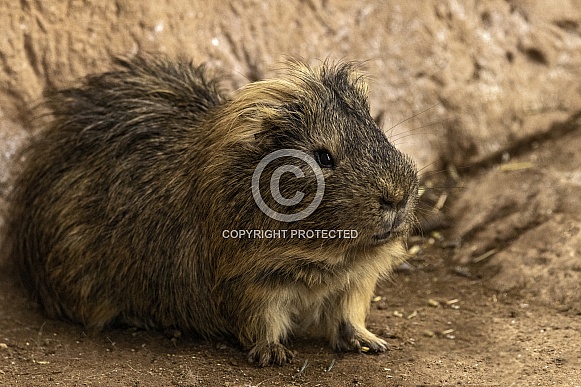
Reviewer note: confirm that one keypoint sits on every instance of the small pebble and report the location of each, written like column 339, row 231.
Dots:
column 414, row 250
column 433, row 303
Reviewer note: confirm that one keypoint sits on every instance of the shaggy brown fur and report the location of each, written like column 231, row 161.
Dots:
column 119, row 214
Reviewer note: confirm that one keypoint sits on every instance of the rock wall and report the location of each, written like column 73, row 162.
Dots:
column 494, row 72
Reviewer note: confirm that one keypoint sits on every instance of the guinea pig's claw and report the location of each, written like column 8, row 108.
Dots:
column 264, row 354
column 360, row 341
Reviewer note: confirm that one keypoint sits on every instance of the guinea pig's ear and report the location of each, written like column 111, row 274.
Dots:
column 254, row 109
column 269, row 126
column 270, row 117
column 245, row 122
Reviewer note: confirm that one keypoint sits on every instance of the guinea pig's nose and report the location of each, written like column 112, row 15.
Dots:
column 390, row 204
column 386, row 204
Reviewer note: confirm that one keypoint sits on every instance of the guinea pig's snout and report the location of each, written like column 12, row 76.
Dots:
column 393, row 212
column 387, row 204
column 393, row 215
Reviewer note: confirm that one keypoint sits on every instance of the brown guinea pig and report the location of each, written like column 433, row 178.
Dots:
column 152, row 198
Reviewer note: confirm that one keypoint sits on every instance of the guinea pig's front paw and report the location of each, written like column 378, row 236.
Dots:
column 373, row 343
column 357, row 339
column 264, row 354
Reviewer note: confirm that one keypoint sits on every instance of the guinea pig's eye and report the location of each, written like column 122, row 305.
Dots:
column 324, row 158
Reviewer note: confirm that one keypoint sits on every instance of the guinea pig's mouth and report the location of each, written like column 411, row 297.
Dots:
column 382, row 237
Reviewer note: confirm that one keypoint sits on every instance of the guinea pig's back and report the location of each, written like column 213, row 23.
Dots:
column 104, row 211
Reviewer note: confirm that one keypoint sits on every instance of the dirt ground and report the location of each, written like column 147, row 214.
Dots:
column 445, row 326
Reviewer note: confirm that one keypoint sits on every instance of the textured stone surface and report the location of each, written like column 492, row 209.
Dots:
column 521, row 228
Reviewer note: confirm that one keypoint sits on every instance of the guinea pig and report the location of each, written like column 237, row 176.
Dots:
column 152, row 197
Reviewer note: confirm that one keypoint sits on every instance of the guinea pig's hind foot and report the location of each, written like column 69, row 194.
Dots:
column 264, row 354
